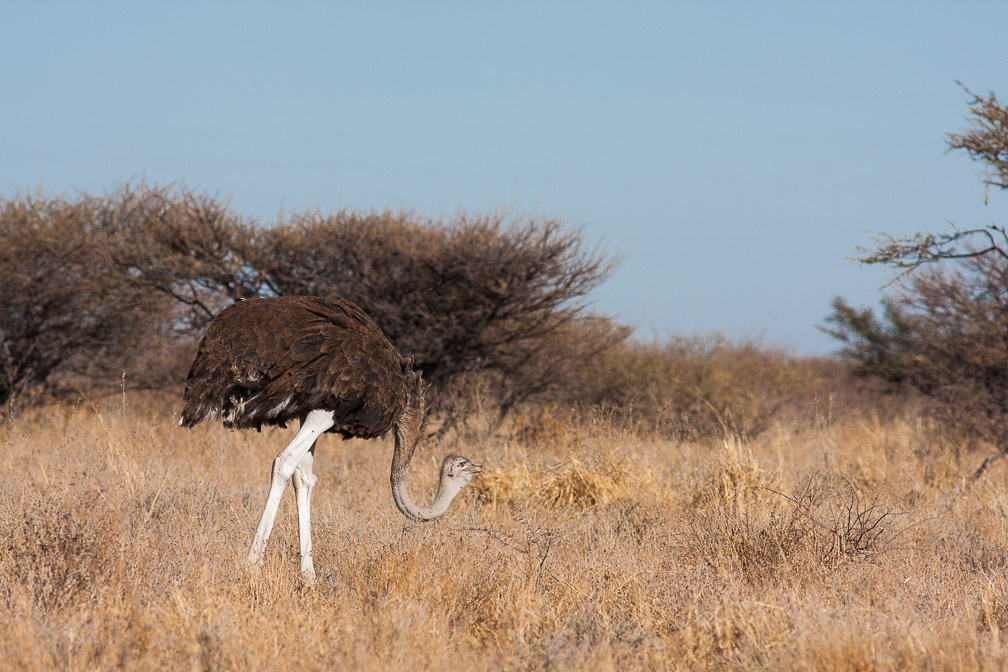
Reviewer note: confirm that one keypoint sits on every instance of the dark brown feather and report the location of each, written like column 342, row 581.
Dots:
column 271, row 361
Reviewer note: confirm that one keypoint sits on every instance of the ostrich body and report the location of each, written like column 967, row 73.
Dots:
column 325, row 363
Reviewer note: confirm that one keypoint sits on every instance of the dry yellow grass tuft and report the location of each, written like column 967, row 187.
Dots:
column 855, row 545
column 569, row 484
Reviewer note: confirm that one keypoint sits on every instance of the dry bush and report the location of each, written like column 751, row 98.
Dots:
column 185, row 245
column 490, row 301
column 500, row 296
column 568, row 484
column 68, row 321
column 942, row 336
column 59, row 554
column 485, row 304
column 688, row 388
column 742, row 522
column 570, row 469
column 816, row 527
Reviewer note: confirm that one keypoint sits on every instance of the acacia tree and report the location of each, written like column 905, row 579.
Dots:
column 481, row 298
column 479, row 294
column 478, row 297
column 62, row 310
column 945, row 331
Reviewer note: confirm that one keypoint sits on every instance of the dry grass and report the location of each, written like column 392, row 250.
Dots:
column 854, row 546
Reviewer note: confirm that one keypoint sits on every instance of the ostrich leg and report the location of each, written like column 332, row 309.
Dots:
column 304, row 481
column 283, row 468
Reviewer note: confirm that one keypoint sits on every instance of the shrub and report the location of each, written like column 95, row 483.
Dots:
column 702, row 386
column 482, row 294
column 65, row 311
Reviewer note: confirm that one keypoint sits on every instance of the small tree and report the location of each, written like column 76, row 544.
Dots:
column 63, row 310
column 945, row 332
column 479, row 294
column 479, row 297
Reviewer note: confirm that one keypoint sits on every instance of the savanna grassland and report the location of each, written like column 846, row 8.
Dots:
column 691, row 503
column 851, row 543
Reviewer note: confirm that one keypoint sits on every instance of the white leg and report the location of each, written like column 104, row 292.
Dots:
column 304, row 480
column 283, row 468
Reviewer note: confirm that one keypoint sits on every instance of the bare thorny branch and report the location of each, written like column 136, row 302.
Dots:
column 536, row 544
column 987, row 142
column 856, row 526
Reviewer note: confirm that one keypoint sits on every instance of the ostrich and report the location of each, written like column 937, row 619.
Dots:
column 325, row 363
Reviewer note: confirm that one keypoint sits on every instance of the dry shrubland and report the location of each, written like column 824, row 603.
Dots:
column 692, row 503
column 688, row 388
column 688, row 504
column 850, row 543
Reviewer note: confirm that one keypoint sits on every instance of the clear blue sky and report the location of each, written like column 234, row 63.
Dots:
column 733, row 154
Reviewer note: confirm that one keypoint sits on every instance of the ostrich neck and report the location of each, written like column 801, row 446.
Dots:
column 407, row 435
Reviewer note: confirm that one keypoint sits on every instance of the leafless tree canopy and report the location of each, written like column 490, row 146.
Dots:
column 64, row 308
column 491, row 298
column 477, row 294
column 186, row 245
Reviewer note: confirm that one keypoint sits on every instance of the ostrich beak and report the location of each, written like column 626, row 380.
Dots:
column 473, row 468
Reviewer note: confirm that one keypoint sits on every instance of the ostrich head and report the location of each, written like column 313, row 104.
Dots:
column 456, row 472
